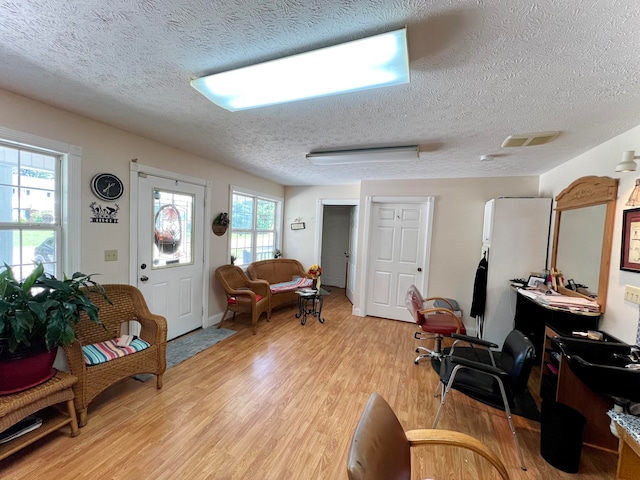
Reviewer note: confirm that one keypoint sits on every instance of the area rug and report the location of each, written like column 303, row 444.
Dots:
column 182, row 348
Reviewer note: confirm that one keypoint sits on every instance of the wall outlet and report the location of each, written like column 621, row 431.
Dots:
column 632, row 294
column 111, row 255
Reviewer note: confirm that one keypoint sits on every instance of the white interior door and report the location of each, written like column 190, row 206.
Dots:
column 170, row 250
column 397, row 257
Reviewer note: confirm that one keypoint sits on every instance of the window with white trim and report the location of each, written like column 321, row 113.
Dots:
column 255, row 226
column 39, row 219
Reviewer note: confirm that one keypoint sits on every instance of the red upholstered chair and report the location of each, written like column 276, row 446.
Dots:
column 244, row 295
column 436, row 317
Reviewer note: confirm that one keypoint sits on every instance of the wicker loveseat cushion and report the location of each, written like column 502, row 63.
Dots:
column 104, row 351
column 291, row 286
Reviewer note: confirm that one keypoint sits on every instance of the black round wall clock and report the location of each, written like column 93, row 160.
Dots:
column 107, row 186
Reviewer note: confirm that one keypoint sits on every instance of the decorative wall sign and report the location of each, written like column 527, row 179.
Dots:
column 107, row 186
column 297, row 226
column 104, row 214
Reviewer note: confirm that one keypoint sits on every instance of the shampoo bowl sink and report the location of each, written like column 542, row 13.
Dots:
column 602, row 365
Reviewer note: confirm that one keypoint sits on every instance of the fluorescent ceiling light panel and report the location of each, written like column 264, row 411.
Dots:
column 367, row 155
column 378, row 61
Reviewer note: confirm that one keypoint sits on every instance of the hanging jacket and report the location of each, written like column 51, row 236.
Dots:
column 480, row 289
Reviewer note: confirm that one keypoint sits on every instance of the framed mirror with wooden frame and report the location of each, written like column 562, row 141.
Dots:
column 582, row 236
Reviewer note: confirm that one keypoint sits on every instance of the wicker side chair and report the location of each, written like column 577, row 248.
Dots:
column 128, row 304
column 244, row 295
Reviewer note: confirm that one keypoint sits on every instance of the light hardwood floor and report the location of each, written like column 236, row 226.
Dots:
column 283, row 405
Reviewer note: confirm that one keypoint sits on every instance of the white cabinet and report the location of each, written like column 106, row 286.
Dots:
column 515, row 237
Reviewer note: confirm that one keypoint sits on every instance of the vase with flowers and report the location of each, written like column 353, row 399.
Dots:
column 314, row 272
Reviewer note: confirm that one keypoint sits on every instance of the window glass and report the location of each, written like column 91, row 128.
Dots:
column 29, row 209
column 254, row 231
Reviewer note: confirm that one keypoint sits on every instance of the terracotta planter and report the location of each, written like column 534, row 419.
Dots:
column 25, row 368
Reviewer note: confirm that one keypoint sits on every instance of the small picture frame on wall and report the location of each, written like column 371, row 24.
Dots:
column 630, row 249
column 297, row 226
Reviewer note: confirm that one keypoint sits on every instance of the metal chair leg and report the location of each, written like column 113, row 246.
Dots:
column 507, row 410
column 436, row 352
column 444, row 395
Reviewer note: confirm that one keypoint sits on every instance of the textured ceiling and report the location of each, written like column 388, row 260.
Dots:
column 480, row 71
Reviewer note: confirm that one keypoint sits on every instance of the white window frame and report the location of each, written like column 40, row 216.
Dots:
column 265, row 196
column 70, row 192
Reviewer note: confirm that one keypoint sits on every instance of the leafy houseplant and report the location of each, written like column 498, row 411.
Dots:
column 43, row 309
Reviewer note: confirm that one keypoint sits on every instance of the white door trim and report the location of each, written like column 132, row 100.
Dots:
column 137, row 168
column 366, row 235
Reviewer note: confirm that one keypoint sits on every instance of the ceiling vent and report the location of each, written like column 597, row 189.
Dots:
column 529, row 139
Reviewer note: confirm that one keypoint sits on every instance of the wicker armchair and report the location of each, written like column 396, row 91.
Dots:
column 128, row 304
column 244, row 295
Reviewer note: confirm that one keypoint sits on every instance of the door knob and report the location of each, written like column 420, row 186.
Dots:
column 419, row 269
column 144, row 278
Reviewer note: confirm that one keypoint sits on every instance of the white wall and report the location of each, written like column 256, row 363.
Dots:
column 458, row 208
column 109, row 149
column 457, row 227
column 301, row 204
column 621, row 317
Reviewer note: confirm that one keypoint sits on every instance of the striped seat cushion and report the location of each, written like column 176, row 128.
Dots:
column 291, row 286
column 109, row 350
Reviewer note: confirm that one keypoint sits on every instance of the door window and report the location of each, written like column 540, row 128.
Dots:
column 172, row 228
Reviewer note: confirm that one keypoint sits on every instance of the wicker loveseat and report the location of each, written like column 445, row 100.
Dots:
column 127, row 304
column 279, row 271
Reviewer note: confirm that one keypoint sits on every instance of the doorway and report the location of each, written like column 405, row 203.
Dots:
column 336, row 244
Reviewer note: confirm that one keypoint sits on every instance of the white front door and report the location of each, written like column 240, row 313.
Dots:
column 170, row 268
column 397, row 256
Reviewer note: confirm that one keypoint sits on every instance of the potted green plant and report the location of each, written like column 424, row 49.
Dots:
column 37, row 314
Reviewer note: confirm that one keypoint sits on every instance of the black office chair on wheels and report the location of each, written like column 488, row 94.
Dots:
column 492, row 377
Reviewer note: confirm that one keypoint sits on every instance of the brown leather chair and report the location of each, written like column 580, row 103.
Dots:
column 436, row 317
column 244, row 295
column 380, row 448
